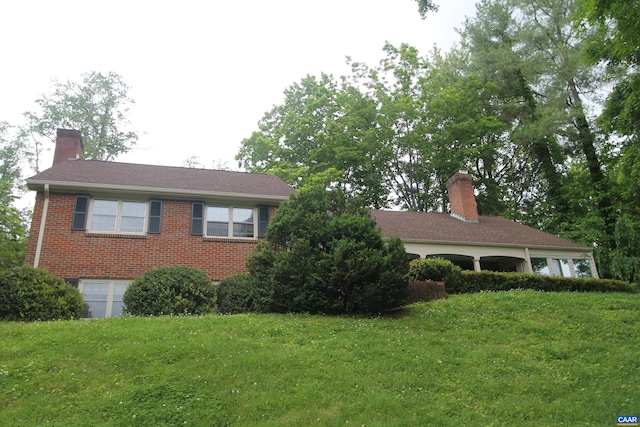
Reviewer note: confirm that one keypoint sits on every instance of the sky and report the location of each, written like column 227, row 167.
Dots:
column 202, row 73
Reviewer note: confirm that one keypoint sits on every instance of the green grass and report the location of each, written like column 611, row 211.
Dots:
column 493, row 359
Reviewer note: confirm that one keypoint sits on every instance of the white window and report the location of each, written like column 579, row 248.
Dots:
column 117, row 216
column 561, row 267
column 103, row 298
column 540, row 266
column 230, row 222
column 582, row 268
column 564, row 267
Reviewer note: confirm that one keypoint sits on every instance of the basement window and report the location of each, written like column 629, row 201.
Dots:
column 103, row 298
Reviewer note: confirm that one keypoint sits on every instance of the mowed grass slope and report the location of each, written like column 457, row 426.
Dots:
column 509, row 358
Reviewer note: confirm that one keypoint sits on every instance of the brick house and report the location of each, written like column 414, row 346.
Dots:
column 101, row 224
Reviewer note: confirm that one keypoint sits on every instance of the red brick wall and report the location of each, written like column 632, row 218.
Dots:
column 78, row 254
column 461, row 197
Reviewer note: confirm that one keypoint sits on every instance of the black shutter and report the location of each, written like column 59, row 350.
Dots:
column 197, row 218
column 263, row 220
column 80, row 211
column 155, row 216
column 73, row 282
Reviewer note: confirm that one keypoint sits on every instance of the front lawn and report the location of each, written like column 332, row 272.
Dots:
column 506, row 358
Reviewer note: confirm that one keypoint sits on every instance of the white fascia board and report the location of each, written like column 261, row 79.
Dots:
column 502, row 245
column 169, row 193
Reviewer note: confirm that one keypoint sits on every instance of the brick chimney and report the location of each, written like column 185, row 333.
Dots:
column 69, row 146
column 461, row 197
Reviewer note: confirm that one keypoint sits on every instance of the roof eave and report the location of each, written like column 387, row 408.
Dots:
column 176, row 193
column 495, row 244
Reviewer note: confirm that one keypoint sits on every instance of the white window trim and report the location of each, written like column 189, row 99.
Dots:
column 230, row 222
column 118, row 217
column 110, row 292
column 570, row 262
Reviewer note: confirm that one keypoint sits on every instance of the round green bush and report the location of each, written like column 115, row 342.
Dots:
column 436, row 270
column 235, row 294
column 30, row 294
column 174, row 290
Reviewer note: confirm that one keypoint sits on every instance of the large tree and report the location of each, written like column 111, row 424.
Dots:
column 538, row 53
column 324, row 131
column 394, row 133
column 13, row 230
column 616, row 45
column 98, row 107
column 516, row 104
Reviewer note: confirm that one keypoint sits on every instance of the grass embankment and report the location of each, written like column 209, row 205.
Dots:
column 511, row 358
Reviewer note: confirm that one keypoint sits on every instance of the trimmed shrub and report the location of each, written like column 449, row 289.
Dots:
column 436, row 270
column 174, row 290
column 472, row 281
column 235, row 294
column 30, row 294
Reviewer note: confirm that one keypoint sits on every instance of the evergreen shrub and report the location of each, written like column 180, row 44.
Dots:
column 436, row 270
column 235, row 294
column 324, row 254
column 175, row 290
column 30, row 294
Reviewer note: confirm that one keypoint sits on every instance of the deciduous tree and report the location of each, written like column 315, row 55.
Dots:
column 13, row 230
column 425, row 6
column 98, row 107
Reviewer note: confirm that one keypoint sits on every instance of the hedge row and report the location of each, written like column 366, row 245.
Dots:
column 30, row 294
column 458, row 281
column 472, row 281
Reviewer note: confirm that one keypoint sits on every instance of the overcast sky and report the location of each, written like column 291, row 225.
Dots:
column 202, row 73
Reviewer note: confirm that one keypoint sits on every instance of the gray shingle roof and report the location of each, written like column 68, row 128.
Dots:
column 439, row 228
column 127, row 176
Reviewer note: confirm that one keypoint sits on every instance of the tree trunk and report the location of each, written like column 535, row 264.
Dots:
column 587, row 143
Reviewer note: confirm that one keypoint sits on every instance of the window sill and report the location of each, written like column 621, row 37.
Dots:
column 116, row 235
column 230, row 239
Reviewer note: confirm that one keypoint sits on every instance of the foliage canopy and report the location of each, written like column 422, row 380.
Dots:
column 98, row 107
column 13, row 226
column 517, row 104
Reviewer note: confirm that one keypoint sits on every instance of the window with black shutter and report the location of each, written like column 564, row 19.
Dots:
column 155, row 216
column 197, row 218
column 263, row 220
column 80, row 211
